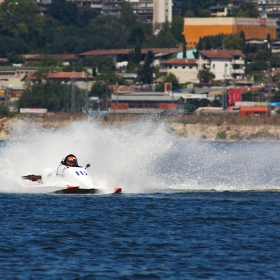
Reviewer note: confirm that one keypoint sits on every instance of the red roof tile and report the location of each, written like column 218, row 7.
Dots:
column 68, row 75
column 252, row 89
column 179, row 61
column 55, row 56
column 222, row 53
column 29, row 76
column 60, row 75
column 127, row 51
column 121, row 88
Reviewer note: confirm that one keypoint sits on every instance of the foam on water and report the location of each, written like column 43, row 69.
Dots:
column 140, row 157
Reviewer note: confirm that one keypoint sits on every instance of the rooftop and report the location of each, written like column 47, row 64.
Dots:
column 222, row 53
column 179, row 61
column 127, row 51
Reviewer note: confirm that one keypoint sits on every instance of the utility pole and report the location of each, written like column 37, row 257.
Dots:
column 224, row 99
column 117, row 107
column 268, row 90
column 106, row 104
column 86, row 96
column 7, row 96
column 73, row 96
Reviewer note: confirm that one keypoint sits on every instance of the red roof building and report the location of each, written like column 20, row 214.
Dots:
column 224, row 64
column 80, row 78
column 60, row 76
column 39, row 57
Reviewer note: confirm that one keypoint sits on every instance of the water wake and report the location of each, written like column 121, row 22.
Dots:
column 141, row 157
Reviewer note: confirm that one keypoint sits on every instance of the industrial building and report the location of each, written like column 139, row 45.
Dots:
column 196, row 28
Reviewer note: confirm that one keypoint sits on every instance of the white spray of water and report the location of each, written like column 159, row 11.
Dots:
column 140, row 157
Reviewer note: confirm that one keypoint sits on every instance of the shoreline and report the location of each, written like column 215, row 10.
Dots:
column 201, row 128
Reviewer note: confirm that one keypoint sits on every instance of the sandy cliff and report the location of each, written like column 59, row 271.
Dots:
column 227, row 132
column 202, row 128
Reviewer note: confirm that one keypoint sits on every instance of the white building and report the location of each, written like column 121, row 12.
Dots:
column 184, row 69
column 142, row 8
column 224, row 64
column 162, row 13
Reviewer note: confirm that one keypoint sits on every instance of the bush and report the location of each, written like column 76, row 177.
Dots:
column 221, row 135
column 4, row 110
column 191, row 108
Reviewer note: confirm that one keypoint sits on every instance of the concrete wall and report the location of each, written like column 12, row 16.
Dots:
column 184, row 75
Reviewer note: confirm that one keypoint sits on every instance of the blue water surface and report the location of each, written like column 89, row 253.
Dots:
column 174, row 235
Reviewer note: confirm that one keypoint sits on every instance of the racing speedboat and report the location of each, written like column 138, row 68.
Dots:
column 65, row 180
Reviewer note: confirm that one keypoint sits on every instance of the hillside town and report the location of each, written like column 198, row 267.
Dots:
column 224, row 63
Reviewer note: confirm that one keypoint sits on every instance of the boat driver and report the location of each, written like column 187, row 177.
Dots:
column 70, row 160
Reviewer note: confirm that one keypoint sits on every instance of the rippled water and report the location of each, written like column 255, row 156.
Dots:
column 175, row 235
column 189, row 210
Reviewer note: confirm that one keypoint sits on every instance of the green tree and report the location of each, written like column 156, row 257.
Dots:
column 164, row 39
column 101, row 33
column 21, row 20
column 205, row 76
column 204, row 13
column 128, row 18
column 86, row 14
column 189, row 13
column 246, row 9
column 4, row 110
column 136, row 55
column 136, row 34
column 200, row 7
column 170, row 78
column 134, row 58
column 100, row 90
column 210, row 42
column 50, row 29
column 49, row 61
column 184, row 48
column 233, row 42
column 244, row 47
column 10, row 45
column 51, row 95
column 13, row 57
column 63, row 11
column 145, row 73
column 177, row 26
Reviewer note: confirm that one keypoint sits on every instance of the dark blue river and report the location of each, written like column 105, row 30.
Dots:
column 175, row 235
column 189, row 209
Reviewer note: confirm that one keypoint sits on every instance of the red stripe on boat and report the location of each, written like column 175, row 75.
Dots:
column 117, row 190
column 72, row 187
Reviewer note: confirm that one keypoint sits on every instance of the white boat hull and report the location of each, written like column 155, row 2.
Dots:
column 66, row 180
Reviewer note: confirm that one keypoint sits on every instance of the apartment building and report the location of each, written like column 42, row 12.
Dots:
column 156, row 11
column 162, row 11
column 267, row 6
column 142, row 8
column 151, row 11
